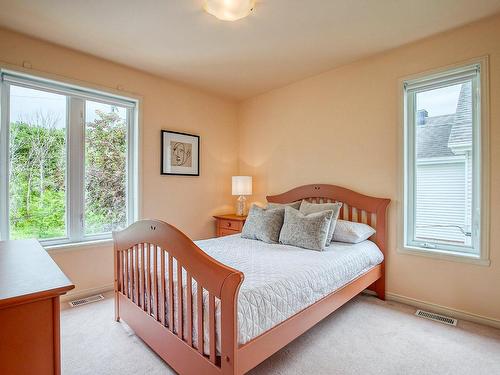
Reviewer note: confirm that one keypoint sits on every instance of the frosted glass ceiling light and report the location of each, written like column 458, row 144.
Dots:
column 229, row 10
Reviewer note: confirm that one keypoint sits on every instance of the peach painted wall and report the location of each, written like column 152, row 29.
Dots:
column 187, row 202
column 341, row 127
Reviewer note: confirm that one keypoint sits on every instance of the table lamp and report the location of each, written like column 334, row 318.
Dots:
column 242, row 185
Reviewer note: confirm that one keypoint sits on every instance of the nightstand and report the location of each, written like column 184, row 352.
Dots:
column 229, row 224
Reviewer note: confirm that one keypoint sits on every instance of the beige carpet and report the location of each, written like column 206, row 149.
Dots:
column 366, row 336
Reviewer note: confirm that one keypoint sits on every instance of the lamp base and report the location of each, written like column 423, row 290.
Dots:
column 241, row 206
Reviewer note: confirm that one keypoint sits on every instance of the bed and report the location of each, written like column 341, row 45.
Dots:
column 252, row 301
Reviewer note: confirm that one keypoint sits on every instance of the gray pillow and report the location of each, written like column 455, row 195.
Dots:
column 295, row 205
column 263, row 224
column 309, row 208
column 307, row 231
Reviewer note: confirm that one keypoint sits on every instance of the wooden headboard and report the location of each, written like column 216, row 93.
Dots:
column 356, row 207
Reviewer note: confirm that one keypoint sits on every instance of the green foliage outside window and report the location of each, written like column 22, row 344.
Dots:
column 37, row 176
column 37, row 179
column 105, row 173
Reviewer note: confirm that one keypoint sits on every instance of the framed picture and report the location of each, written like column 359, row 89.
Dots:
column 180, row 154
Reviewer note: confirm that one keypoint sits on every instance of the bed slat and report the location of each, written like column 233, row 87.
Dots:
column 143, row 280
column 162, row 287
column 189, row 303
column 170, row 293
column 199, row 315
column 136, row 274
column 155, row 283
column 126, row 274
column 179, row 300
column 148, row 278
column 122, row 274
column 131, row 273
column 136, row 277
column 211, row 326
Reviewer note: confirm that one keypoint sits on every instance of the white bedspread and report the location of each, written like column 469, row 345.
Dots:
column 282, row 280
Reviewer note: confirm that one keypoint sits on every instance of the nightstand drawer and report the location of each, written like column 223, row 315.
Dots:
column 227, row 232
column 230, row 224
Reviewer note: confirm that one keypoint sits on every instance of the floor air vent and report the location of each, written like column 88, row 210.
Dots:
column 86, row 300
column 436, row 317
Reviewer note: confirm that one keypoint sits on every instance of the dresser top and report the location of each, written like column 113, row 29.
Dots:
column 28, row 272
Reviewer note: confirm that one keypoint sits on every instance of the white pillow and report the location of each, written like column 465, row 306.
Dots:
column 351, row 232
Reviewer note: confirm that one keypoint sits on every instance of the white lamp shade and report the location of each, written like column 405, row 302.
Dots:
column 242, row 185
column 229, row 10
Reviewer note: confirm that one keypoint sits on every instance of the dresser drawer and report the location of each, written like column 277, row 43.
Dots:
column 230, row 224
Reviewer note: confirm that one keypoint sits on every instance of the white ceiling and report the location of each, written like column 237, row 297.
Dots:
column 280, row 42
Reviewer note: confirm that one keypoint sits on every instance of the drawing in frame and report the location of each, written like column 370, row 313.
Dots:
column 180, row 154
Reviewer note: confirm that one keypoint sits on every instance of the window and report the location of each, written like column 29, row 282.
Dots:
column 442, row 186
column 66, row 161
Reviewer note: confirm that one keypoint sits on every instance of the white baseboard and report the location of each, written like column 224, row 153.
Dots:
column 77, row 294
column 458, row 314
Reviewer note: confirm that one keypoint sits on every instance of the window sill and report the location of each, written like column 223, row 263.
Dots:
column 445, row 255
column 73, row 246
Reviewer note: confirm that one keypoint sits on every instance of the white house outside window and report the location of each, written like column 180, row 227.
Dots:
column 66, row 161
column 443, row 163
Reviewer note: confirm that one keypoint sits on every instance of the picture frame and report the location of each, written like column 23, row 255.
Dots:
column 180, row 154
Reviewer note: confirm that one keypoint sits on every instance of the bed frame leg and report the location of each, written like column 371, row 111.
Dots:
column 379, row 288
column 117, row 308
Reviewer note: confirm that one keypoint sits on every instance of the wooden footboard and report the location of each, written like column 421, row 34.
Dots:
column 146, row 300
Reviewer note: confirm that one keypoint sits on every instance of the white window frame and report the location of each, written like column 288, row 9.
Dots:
column 478, row 253
column 75, row 148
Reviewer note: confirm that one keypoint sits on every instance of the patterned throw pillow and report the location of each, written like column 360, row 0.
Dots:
column 309, row 208
column 295, row 205
column 307, row 231
column 263, row 224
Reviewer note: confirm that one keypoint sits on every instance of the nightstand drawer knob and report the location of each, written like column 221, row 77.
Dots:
column 229, row 224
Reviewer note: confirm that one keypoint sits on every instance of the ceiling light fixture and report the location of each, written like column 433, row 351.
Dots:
column 229, row 10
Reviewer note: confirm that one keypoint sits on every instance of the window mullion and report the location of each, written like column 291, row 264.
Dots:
column 476, row 164
column 4, row 160
column 411, row 167
column 130, row 167
column 76, row 154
